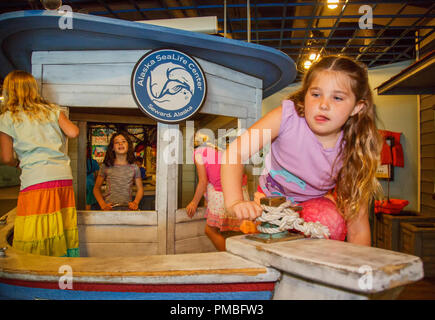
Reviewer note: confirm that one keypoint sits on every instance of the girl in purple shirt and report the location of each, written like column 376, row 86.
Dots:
column 324, row 145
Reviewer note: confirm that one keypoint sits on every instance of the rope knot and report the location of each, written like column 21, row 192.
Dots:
column 285, row 218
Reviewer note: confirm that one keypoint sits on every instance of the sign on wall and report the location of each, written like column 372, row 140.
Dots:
column 168, row 85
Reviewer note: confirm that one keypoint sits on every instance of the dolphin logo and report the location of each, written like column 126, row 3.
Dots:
column 170, row 86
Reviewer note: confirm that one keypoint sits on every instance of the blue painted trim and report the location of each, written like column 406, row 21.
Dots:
column 10, row 292
column 37, row 30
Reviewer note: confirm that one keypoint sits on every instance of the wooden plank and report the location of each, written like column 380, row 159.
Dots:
column 37, row 73
column 418, row 245
column 81, row 165
column 110, row 118
column 229, row 74
column 190, row 229
column 427, row 175
column 215, row 123
column 217, row 86
column 428, row 138
column 213, row 106
column 427, row 200
column 427, row 115
column 132, row 56
column 79, row 88
column 427, row 187
column 138, row 218
column 194, row 245
column 115, row 249
column 92, row 100
column 238, row 101
column 86, row 56
column 96, row 76
column 119, row 234
column 181, row 215
column 161, row 188
column 119, row 96
column 311, row 259
column 427, row 101
column 428, row 151
column 172, row 190
column 428, row 163
column 427, row 126
column 89, row 74
column 430, row 211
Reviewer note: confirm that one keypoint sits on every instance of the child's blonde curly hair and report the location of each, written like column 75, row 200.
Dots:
column 21, row 95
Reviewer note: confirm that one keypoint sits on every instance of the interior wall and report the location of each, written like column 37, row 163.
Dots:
column 399, row 113
column 395, row 113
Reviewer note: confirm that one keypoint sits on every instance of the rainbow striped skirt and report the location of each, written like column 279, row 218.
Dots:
column 46, row 220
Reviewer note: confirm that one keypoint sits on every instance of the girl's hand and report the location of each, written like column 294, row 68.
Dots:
column 258, row 196
column 191, row 209
column 106, row 207
column 245, row 210
column 133, row 205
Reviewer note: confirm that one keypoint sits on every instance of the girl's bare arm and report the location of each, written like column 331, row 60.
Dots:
column 237, row 154
column 358, row 230
column 97, row 193
column 201, row 187
column 139, row 194
column 69, row 128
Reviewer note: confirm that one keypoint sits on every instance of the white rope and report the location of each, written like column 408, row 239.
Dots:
column 286, row 218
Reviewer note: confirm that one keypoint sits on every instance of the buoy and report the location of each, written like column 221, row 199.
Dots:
column 325, row 211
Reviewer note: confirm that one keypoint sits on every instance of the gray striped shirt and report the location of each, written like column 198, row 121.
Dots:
column 119, row 182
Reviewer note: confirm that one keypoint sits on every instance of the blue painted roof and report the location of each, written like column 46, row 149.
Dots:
column 22, row 32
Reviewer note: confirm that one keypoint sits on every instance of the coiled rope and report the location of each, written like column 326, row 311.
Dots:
column 286, row 218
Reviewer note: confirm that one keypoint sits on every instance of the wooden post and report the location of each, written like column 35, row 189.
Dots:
column 166, row 191
column 81, row 166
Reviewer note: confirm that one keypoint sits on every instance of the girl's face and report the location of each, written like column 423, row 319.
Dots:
column 329, row 102
column 120, row 145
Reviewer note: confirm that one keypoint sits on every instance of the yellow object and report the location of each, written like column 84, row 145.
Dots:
column 248, row 226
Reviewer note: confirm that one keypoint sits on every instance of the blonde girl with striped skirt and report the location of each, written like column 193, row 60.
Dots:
column 46, row 217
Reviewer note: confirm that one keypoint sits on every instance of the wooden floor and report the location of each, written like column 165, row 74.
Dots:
column 420, row 290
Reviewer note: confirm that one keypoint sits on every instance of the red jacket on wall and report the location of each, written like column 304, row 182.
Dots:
column 392, row 154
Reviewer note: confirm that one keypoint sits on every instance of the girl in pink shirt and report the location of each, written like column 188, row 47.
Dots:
column 207, row 158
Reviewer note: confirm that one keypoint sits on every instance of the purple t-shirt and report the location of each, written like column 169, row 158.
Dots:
column 298, row 167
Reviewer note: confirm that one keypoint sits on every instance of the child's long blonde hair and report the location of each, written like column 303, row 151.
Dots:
column 21, row 94
column 355, row 182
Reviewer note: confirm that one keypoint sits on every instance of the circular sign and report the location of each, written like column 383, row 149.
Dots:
column 168, row 85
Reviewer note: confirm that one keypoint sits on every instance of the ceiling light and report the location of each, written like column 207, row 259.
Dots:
column 331, row 5
column 307, row 64
column 313, row 56
column 51, row 4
